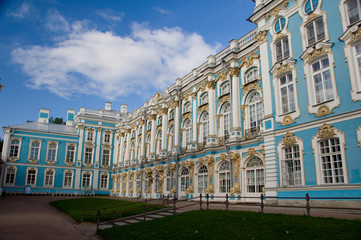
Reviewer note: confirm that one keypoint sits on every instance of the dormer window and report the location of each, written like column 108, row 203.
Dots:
column 252, row 75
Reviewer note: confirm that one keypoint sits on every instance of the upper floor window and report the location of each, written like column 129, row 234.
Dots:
column 310, row 6
column 287, row 93
column 353, row 11
column 14, row 148
column 322, row 82
column 171, row 115
column 107, row 138
column 282, row 49
column 90, row 136
column 149, row 126
column 204, row 99
column 106, row 157
column 280, row 24
column 52, row 149
column 160, row 119
column 255, row 109
column 358, row 61
column 34, row 150
column 315, row 31
column 224, row 89
column 227, row 121
column 88, row 156
column 187, row 107
column 252, row 75
column 205, row 125
column 188, row 128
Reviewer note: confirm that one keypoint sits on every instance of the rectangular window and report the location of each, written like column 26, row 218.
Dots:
column 68, row 179
column 291, row 166
column 90, row 136
column 49, row 178
column 315, row 31
column 30, row 180
column 137, row 182
column 34, row 150
column 10, row 176
column 88, row 155
column 282, row 49
column 287, row 94
column 86, row 180
column 107, row 138
column 353, row 10
column 184, row 183
column 331, row 161
column 169, row 183
column 227, row 123
column 224, row 182
column 322, row 80
column 106, row 156
column 104, row 181
column 14, row 148
column 205, row 130
column 70, row 153
column 52, row 152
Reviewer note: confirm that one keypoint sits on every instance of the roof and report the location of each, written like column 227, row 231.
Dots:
column 46, row 127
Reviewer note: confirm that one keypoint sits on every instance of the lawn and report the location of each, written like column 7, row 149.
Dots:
column 217, row 224
column 73, row 207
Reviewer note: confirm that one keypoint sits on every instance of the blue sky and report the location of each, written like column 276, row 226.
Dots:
column 74, row 53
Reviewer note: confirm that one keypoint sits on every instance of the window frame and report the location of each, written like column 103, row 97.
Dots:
column 106, row 181
column 257, row 187
column 67, row 152
column 30, row 157
column 85, row 160
column 66, row 179
column 48, row 154
column 89, row 180
column 18, row 148
column 282, row 48
column 184, row 179
column 103, row 157
column 203, row 178
column 13, row 178
column 47, row 178
column 254, row 71
column 35, row 177
column 224, row 183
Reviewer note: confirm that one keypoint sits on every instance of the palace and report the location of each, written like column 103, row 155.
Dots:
column 277, row 113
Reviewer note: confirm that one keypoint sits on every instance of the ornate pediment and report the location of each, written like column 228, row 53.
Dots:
column 289, row 139
column 326, row 131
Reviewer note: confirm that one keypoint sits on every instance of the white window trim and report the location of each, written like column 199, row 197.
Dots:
column 107, row 186
column 201, row 96
column 56, row 151
column 110, row 156
column 66, row 152
column 36, row 176
column 72, row 178
column 92, row 156
column 359, row 136
column 20, row 141
column 110, row 137
column 244, row 70
column 90, row 180
column 246, row 121
column 6, row 172
column 221, row 86
column 87, row 133
column 316, row 149
column 344, row 15
column 53, row 180
column 281, row 154
column 30, row 144
column 313, row 107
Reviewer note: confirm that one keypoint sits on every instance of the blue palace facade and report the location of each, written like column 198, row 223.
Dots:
column 277, row 112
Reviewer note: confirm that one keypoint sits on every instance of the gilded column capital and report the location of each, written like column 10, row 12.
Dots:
column 234, row 71
column 262, row 37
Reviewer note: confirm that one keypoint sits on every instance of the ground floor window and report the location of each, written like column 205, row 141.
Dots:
column 104, row 181
column 10, row 176
column 184, row 179
column 86, row 180
column 202, row 179
column 224, row 178
column 68, row 179
column 255, row 175
column 31, row 177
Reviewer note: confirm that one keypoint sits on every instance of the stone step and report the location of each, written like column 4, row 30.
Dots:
column 131, row 221
column 155, row 216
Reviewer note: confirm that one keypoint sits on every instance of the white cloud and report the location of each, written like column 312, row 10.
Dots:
column 22, row 11
column 163, row 11
column 109, row 14
column 56, row 22
column 105, row 64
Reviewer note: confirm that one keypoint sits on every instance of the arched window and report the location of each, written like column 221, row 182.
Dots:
column 184, row 179
column 148, row 145
column 133, row 134
column 255, row 175
column 159, row 141
column 169, row 180
column 252, row 75
column 130, row 183
column 188, row 129
column 204, row 99
column 124, row 184
column 170, row 139
column 255, row 109
column 205, row 125
column 227, row 120
column 171, row 115
column 224, row 178
column 159, row 121
column 149, row 126
column 187, row 107
column 146, row 182
column 224, row 89
column 132, row 151
column 202, row 179
column 280, row 24
column 156, row 182
column 137, row 182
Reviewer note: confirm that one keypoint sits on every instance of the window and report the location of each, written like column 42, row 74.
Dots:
column 224, row 178
column 170, row 139
column 188, row 128
column 184, row 179
column 86, row 180
column 204, row 99
column 68, row 179
column 322, row 82
column 280, row 24
column 106, row 157
column 224, row 89
column 205, row 125
column 49, row 178
column 88, row 158
column 358, row 61
column 255, row 109
column 70, row 153
column 104, row 181
column 156, row 182
column 31, row 177
column 130, row 183
column 291, row 166
column 310, row 6
column 287, row 93
column 34, row 150
column 331, row 161
column 124, row 184
column 169, row 181
column 90, row 136
column 171, row 115
column 106, row 138
column 227, row 121
column 10, row 175
column 146, row 182
column 149, row 126
column 255, row 175
column 282, row 49
column 202, row 179
column 252, row 75
column 14, row 148
column 52, row 147
column 137, row 182
column 353, row 11
column 315, row 31
column 160, row 119
column 187, row 107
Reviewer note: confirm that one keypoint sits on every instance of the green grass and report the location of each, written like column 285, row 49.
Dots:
column 73, row 207
column 216, row 224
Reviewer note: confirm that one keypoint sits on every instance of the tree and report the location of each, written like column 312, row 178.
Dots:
column 56, row 120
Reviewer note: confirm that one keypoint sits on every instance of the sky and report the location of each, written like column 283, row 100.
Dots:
column 67, row 54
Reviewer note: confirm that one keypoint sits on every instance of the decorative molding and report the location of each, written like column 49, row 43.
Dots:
column 187, row 115
column 218, row 116
column 224, row 98
column 326, row 131
column 289, row 139
column 315, row 53
column 221, row 76
column 323, row 111
column 287, row 120
column 251, row 86
column 234, row 71
column 203, row 108
column 261, row 37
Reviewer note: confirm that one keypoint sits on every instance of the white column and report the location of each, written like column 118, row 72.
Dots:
column 164, row 133
column 98, row 144
column 6, row 144
column 142, row 144
column 80, row 145
column 77, row 178
column 136, row 145
column 95, row 179
column 121, row 153
column 127, row 149
column 152, row 137
column 115, row 155
column 194, row 118
column 176, row 126
column 236, row 131
column 212, row 138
